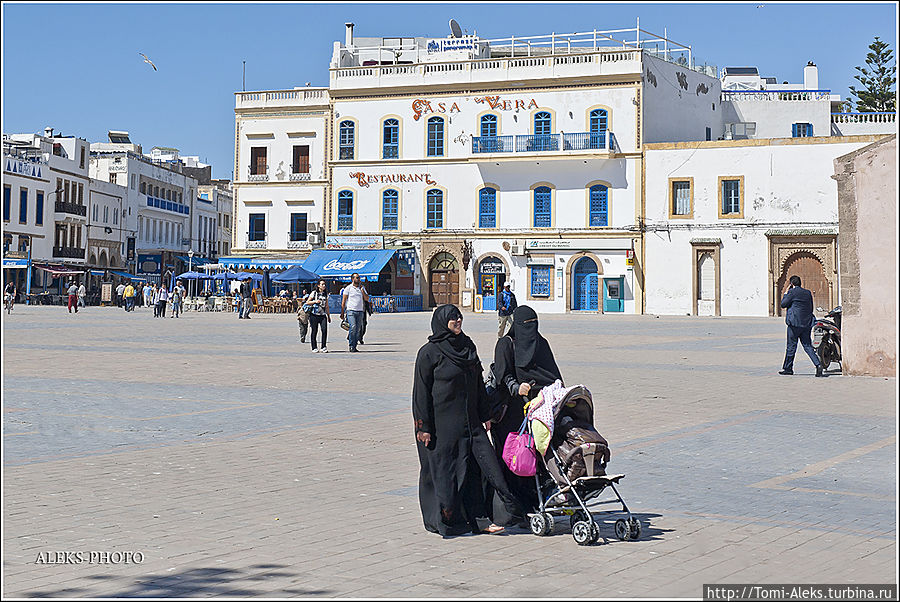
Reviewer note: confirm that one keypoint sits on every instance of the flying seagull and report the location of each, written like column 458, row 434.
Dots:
column 148, row 61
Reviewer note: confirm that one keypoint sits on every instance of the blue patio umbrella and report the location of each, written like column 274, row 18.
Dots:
column 296, row 274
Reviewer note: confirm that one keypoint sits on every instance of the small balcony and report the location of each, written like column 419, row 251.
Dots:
column 260, row 174
column 68, row 252
column 301, row 176
column 71, row 208
column 257, row 240
column 579, row 141
column 297, row 240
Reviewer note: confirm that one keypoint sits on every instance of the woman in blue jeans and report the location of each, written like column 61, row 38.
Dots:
column 318, row 315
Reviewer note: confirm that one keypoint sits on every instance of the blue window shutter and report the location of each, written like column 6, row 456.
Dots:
column 794, row 130
column 809, row 130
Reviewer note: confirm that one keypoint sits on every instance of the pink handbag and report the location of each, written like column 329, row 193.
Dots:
column 519, row 454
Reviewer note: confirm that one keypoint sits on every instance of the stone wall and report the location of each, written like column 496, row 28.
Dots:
column 867, row 212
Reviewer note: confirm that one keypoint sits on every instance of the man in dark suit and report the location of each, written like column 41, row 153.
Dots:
column 799, row 319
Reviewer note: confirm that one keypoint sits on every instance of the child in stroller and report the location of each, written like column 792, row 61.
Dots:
column 575, row 455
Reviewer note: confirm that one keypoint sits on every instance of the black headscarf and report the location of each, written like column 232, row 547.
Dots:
column 533, row 357
column 458, row 348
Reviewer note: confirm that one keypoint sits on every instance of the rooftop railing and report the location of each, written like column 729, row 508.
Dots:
column 298, row 96
column 874, row 117
column 775, row 95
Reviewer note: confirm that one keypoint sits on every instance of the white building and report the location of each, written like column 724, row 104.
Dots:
column 728, row 222
column 513, row 160
column 106, row 230
column 218, row 193
column 45, row 195
column 159, row 206
column 280, row 175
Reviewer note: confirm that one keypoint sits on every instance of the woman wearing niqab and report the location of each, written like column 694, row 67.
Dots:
column 523, row 365
column 450, row 407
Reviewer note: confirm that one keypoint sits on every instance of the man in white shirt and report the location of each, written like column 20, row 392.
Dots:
column 82, row 294
column 353, row 300
column 120, row 290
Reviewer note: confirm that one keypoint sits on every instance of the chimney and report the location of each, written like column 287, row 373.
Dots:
column 48, row 132
column 348, row 37
column 810, row 76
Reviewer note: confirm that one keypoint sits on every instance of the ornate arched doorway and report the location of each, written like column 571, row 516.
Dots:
column 443, row 276
column 491, row 275
column 585, row 285
column 812, row 277
column 706, row 284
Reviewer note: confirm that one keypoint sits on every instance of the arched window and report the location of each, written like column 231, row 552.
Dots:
column 542, row 123
column 598, row 120
column 488, row 125
column 543, row 139
column 391, row 142
column 346, row 140
column 487, row 208
column 389, row 207
column 436, row 137
column 543, row 210
column 599, row 214
column 435, row 209
column 345, row 210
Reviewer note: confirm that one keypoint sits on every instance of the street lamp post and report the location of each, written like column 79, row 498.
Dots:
column 191, row 262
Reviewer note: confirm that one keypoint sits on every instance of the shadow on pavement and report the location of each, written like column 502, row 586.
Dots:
column 190, row 582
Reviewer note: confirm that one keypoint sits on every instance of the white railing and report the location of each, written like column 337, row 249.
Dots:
column 775, row 95
column 879, row 117
column 300, row 177
column 282, row 97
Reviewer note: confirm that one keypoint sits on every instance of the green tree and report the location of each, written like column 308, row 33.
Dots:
column 878, row 80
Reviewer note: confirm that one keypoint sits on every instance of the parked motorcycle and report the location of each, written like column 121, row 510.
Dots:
column 827, row 337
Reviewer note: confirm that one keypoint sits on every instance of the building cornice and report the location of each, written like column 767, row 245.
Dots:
column 701, row 144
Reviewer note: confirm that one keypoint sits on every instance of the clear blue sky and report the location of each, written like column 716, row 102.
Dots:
column 76, row 67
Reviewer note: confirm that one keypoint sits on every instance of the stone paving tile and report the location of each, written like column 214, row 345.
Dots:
column 123, row 462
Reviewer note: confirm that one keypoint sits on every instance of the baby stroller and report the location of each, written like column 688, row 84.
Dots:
column 575, row 455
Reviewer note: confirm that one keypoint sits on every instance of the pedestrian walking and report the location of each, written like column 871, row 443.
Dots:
column 9, row 296
column 505, row 311
column 73, row 297
column 799, row 318
column 148, row 295
column 303, row 321
column 353, row 299
column 450, row 415
column 129, row 297
column 155, row 300
column 120, row 294
column 163, row 299
column 246, row 295
column 177, row 298
column 82, row 295
column 316, row 304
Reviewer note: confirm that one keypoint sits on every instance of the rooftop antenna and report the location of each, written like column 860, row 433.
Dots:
column 454, row 29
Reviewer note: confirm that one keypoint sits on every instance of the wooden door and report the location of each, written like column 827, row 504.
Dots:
column 444, row 287
column 812, row 277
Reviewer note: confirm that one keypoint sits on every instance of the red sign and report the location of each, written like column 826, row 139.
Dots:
column 363, row 180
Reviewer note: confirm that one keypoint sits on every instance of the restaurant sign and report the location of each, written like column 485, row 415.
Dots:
column 364, row 180
column 354, row 242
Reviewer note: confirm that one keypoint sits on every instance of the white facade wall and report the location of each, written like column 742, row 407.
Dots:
column 679, row 103
column 787, row 186
column 301, row 120
column 107, row 212
column 38, row 231
column 774, row 112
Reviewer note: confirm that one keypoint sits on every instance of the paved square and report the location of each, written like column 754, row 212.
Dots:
column 240, row 464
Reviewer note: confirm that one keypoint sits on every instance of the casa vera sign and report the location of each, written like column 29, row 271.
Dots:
column 423, row 106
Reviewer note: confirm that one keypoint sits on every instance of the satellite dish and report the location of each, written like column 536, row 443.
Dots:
column 454, row 29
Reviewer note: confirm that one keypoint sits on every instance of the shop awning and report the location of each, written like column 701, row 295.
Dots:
column 194, row 261
column 342, row 264
column 129, row 276
column 248, row 263
column 97, row 272
column 59, row 271
column 14, row 263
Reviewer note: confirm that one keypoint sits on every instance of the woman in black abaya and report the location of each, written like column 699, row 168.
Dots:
column 450, row 407
column 523, row 365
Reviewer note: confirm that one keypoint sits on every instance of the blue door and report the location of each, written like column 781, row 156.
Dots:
column 614, row 294
column 584, row 294
column 488, row 292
